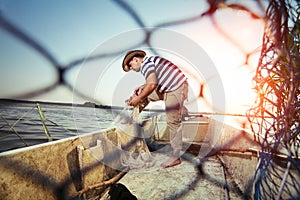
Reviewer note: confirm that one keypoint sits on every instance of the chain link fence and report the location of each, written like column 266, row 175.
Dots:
column 274, row 117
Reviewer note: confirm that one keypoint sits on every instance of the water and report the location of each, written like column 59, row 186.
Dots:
column 62, row 121
column 65, row 121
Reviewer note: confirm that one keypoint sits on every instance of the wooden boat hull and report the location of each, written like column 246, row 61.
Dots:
column 50, row 170
column 61, row 169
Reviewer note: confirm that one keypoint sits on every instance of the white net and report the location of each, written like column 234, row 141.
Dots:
column 135, row 153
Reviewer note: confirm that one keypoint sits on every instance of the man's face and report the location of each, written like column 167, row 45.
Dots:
column 134, row 64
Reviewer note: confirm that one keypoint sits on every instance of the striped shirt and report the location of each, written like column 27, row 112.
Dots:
column 168, row 75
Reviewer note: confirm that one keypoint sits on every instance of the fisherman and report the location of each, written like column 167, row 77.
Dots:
column 163, row 81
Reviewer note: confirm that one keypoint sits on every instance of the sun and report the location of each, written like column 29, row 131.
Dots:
column 232, row 39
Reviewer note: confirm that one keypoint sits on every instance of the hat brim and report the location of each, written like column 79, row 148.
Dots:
column 128, row 57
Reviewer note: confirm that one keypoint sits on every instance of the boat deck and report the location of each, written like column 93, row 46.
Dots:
column 179, row 182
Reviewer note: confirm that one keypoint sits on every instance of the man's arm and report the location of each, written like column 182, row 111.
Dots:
column 149, row 87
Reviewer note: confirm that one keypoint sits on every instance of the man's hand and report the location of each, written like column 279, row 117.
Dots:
column 143, row 91
column 134, row 101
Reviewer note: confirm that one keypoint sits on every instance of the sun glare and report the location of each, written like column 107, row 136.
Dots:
column 233, row 40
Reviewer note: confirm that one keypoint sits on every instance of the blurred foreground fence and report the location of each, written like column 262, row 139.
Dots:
column 274, row 116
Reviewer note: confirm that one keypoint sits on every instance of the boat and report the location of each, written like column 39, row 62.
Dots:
column 219, row 160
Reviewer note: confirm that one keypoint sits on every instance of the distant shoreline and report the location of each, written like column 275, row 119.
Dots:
column 86, row 104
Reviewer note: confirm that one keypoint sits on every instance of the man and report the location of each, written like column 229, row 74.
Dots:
column 163, row 81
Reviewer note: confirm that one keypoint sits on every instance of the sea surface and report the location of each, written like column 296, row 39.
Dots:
column 21, row 124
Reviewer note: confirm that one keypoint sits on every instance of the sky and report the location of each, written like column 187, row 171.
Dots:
column 210, row 55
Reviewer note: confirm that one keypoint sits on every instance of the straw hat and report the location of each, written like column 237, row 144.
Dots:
column 128, row 57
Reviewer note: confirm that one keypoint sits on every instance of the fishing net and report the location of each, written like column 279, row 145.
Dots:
column 131, row 141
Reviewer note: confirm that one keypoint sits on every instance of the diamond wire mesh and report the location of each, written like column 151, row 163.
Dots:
column 274, row 117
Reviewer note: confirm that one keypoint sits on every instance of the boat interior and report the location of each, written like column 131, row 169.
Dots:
column 218, row 161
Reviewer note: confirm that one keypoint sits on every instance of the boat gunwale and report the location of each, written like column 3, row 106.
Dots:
column 28, row 148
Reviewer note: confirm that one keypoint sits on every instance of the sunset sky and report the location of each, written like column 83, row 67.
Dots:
column 210, row 54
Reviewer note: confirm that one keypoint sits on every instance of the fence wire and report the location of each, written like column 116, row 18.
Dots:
column 274, row 117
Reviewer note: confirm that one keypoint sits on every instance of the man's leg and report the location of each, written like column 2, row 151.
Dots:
column 174, row 110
